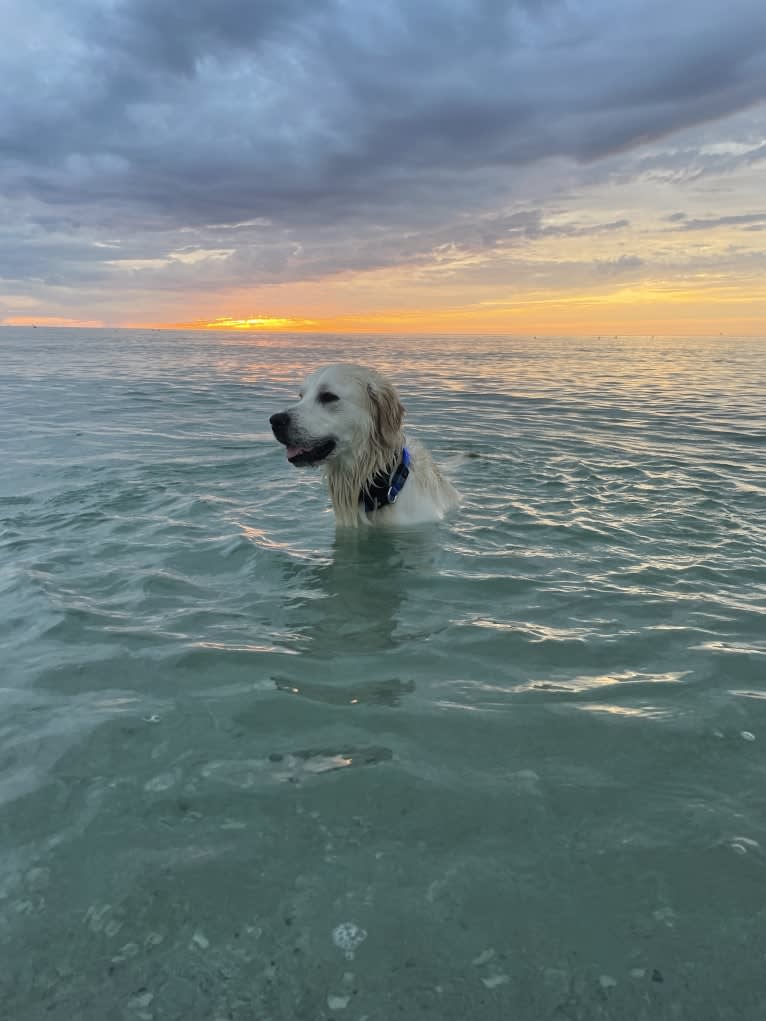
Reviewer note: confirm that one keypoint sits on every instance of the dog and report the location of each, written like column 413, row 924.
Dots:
column 349, row 420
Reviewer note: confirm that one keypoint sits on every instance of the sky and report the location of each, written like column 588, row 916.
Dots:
column 463, row 166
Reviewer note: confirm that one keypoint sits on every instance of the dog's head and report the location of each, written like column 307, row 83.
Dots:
column 344, row 413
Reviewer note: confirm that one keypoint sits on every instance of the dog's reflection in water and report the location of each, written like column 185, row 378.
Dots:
column 352, row 613
column 353, row 623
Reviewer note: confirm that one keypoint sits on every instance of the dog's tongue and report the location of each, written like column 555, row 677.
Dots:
column 294, row 451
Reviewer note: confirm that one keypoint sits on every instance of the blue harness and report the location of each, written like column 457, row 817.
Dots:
column 385, row 487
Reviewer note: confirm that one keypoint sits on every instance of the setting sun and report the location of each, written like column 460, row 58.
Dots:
column 254, row 323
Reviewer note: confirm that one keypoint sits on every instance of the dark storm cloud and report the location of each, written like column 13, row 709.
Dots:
column 141, row 117
column 173, row 35
column 233, row 108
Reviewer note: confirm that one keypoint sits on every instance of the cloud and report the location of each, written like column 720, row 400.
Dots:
column 209, row 258
column 154, row 144
column 747, row 221
column 304, row 111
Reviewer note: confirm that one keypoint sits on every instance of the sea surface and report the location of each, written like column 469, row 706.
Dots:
column 508, row 767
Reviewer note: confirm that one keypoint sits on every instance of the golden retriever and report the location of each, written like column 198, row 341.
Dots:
column 349, row 420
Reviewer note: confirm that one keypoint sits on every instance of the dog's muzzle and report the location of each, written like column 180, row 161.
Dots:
column 299, row 454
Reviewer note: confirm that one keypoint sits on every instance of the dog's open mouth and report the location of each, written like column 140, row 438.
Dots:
column 301, row 456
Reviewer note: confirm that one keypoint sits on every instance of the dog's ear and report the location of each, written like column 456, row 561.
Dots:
column 388, row 413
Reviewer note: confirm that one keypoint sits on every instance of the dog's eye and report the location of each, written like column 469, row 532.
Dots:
column 327, row 398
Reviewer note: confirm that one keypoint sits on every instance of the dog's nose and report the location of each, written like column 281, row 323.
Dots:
column 280, row 423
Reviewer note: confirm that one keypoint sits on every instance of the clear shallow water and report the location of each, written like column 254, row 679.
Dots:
column 521, row 751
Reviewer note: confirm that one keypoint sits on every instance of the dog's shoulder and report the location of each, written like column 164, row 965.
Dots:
column 429, row 485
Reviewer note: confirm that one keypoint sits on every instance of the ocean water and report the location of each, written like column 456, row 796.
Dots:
column 506, row 767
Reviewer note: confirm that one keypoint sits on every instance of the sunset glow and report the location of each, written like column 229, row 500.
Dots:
column 709, row 305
